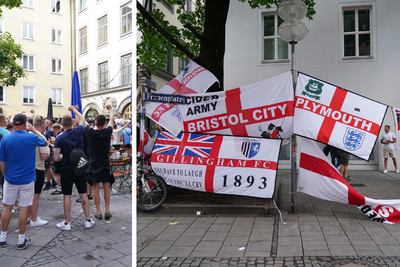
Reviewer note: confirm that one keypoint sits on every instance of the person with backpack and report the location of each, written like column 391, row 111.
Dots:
column 68, row 149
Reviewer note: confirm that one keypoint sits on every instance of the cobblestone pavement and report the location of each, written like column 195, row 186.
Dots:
column 108, row 243
column 270, row 261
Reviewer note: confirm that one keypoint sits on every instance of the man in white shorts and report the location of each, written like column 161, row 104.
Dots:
column 387, row 140
column 19, row 173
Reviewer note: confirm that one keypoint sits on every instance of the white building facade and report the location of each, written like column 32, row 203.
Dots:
column 351, row 44
column 104, row 44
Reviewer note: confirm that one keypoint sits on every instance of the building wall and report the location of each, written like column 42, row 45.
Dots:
column 319, row 55
column 42, row 79
column 111, row 52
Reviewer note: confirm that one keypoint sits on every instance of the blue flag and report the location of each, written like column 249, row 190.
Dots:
column 76, row 93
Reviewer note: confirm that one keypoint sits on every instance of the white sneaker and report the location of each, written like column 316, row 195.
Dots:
column 63, row 226
column 385, row 171
column 89, row 224
column 397, row 171
column 38, row 222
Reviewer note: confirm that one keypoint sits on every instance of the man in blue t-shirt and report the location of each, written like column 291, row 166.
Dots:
column 62, row 148
column 19, row 171
column 126, row 134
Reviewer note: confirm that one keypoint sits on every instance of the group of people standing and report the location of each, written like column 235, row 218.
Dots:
column 25, row 161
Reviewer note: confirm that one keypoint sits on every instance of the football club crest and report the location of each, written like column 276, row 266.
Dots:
column 353, row 139
column 313, row 89
column 250, row 147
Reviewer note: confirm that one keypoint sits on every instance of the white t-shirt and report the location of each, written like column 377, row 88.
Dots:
column 117, row 136
column 388, row 136
column 119, row 121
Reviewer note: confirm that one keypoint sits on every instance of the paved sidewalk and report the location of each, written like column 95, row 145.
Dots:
column 108, row 243
column 323, row 233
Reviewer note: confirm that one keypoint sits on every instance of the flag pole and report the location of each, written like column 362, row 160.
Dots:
column 142, row 119
column 293, row 138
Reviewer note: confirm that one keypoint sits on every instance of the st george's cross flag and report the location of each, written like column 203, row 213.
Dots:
column 146, row 142
column 263, row 109
column 193, row 79
column 217, row 164
column 396, row 114
column 334, row 116
column 319, row 178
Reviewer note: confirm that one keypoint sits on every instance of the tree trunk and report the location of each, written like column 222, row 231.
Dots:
column 212, row 45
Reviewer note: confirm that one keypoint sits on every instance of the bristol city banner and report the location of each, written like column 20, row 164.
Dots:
column 334, row 116
column 319, row 178
column 192, row 80
column 217, row 164
column 264, row 109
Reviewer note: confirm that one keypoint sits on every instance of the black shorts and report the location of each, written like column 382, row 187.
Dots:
column 39, row 181
column 57, row 167
column 47, row 163
column 103, row 176
column 68, row 179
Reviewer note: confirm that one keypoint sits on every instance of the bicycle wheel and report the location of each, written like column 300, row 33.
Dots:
column 152, row 198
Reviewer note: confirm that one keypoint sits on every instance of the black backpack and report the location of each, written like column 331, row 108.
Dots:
column 77, row 159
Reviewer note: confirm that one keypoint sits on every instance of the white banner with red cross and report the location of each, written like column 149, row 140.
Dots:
column 261, row 109
column 337, row 117
column 217, row 164
column 192, row 80
column 319, row 178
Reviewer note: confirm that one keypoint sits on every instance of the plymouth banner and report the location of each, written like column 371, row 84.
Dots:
column 337, row 117
column 319, row 178
column 217, row 164
column 264, row 109
column 192, row 80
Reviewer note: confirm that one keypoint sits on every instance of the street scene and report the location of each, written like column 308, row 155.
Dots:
column 263, row 139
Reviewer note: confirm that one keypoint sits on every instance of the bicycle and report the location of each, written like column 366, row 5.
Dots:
column 151, row 191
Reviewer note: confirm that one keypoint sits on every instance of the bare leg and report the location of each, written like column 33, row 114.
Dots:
column 33, row 210
column 107, row 195
column 6, row 217
column 386, row 160
column 89, row 189
column 85, row 205
column 49, row 174
column 67, row 208
column 96, row 196
column 345, row 171
column 22, row 219
column 395, row 163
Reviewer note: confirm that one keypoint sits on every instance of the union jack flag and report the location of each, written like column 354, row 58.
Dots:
column 194, row 145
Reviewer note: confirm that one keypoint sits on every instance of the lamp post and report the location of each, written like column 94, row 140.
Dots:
column 292, row 30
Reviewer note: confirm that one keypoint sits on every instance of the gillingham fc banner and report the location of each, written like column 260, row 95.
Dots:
column 334, row 116
column 218, row 164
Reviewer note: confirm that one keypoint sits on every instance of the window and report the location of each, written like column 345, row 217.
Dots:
column 274, row 48
column 56, row 6
column 169, row 66
column 126, row 19
column 28, row 95
column 56, row 65
column 56, row 36
column 82, row 5
column 1, row 25
column 2, row 89
column 27, row 3
column 27, row 30
column 126, row 71
column 183, row 63
column 103, row 75
column 357, row 32
column 102, row 24
column 56, row 96
column 168, row 6
column 187, row 7
column 83, row 40
column 28, row 62
column 84, row 80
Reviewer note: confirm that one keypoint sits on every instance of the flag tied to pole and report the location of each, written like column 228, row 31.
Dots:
column 217, row 164
column 319, row 178
column 396, row 114
column 261, row 109
column 192, row 80
column 337, row 117
column 148, row 142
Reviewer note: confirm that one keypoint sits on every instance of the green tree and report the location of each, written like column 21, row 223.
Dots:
column 202, row 37
column 10, row 52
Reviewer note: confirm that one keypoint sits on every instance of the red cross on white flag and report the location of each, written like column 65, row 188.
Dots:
column 337, row 117
column 251, row 110
column 192, row 80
